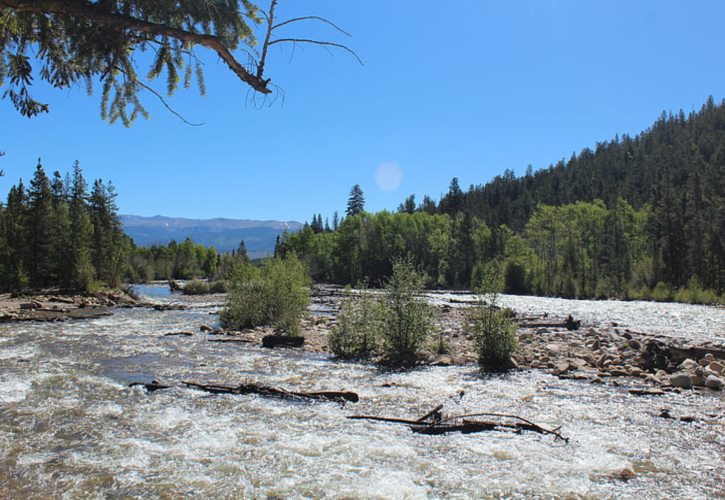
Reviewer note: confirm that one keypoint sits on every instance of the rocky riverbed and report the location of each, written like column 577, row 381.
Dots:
column 648, row 364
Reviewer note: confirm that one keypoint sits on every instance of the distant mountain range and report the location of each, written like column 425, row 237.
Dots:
column 223, row 234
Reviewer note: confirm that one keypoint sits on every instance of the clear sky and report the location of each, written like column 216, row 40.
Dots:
column 463, row 89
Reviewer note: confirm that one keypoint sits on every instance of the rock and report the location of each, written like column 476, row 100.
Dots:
column 623, row 474
column 635, row 344
column 708, row 357
column 635, row 371
column 717, row 367
column 597, row 380
column 681, row 380
column 714, row 382
column 656, row 356
column 688, row 364
column 31, row 305
column 205, row 328
column 442, row 361
column 602, row 359
column 618, row 372
column 698, row 378
column 660, row 375
column 561, row 368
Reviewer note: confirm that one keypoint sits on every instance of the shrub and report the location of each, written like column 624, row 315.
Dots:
column 493, row 332
column 218, row 286
column 406, row 318
column 277, row 295
column 195, row 287
column 357, row 332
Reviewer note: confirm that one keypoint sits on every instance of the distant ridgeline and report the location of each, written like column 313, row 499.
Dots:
column 637, row 217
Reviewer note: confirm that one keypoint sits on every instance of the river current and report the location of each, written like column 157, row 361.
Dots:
column 70, row 427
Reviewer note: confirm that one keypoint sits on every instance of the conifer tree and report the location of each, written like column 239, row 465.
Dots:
column 81, row 230
column 40, row 229
column 356, row 201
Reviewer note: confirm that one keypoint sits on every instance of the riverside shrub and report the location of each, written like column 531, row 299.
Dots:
column 493, row 332
column 358, row 328
column 406, row 319
column 276, row 294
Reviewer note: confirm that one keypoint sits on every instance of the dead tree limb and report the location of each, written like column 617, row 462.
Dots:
column 463, row 424
column 332, row 396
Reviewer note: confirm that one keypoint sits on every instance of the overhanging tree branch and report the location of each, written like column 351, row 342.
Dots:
column 91, row 12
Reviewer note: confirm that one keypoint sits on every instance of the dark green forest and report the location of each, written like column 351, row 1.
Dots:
column 55, row 232
column 635, row 217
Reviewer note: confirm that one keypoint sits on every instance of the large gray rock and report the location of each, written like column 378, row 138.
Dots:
column 681, row 380
column 714, row 382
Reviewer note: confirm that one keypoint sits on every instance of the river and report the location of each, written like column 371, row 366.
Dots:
column 70, row 427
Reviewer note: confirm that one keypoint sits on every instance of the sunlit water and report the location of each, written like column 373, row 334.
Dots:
column 70, row 427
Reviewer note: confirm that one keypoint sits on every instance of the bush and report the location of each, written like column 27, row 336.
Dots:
column 406, row 318
column 277, row 295
column 357, row 332
column 195, row 287
column 493, row 332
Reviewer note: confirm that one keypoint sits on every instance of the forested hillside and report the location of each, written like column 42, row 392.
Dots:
column 636, row 216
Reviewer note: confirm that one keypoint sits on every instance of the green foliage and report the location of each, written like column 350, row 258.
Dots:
column 493, row 332
column 406, row 318
column 357, row 332
column 276, row 294
column 55, row 234
column 75, row 42
column 200, row 287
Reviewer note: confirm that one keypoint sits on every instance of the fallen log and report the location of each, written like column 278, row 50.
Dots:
column 332, row 396
column 178, row 334
column 153, row 386
column 272, row 341
column 231, row 341
column 464, row 424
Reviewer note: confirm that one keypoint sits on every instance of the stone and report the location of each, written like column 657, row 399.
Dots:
column 618, row 372
column 698, row 378
column 635, row 344
column 688, row 364
column 656, row 356
column 597, row 380
column 561, row 368
column 708, row 357
column 717, row 367
column 714, row 382
column 635, row 371
column 681, row 380
column 205, row 328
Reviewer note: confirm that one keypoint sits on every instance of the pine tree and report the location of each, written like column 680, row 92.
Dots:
column 81, row 230
column 356, row 201
column 40, row 230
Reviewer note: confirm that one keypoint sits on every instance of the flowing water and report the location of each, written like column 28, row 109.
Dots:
column 70, row 427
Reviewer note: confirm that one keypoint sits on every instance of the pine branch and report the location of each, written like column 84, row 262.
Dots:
column 84, row 10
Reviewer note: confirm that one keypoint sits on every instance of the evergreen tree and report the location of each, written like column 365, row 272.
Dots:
column 81, row 271
column 40, row 231
column 356, row 201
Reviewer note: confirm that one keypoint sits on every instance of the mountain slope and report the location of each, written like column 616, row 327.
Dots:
column 224, row 234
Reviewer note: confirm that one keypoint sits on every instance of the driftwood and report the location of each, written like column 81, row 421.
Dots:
column 433, row 423
column 569, row 323
column 153, row 386
column 231, row 341
column 333, row 396
column 178, row 334
column 272, row 341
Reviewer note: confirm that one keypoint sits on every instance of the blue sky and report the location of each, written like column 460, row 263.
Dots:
column 463, row 89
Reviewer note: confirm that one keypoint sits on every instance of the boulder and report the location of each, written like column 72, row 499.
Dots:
column 656, row 356
column 681, row 380
column 714, row 382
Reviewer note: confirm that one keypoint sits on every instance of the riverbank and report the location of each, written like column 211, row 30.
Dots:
column 55, row 305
